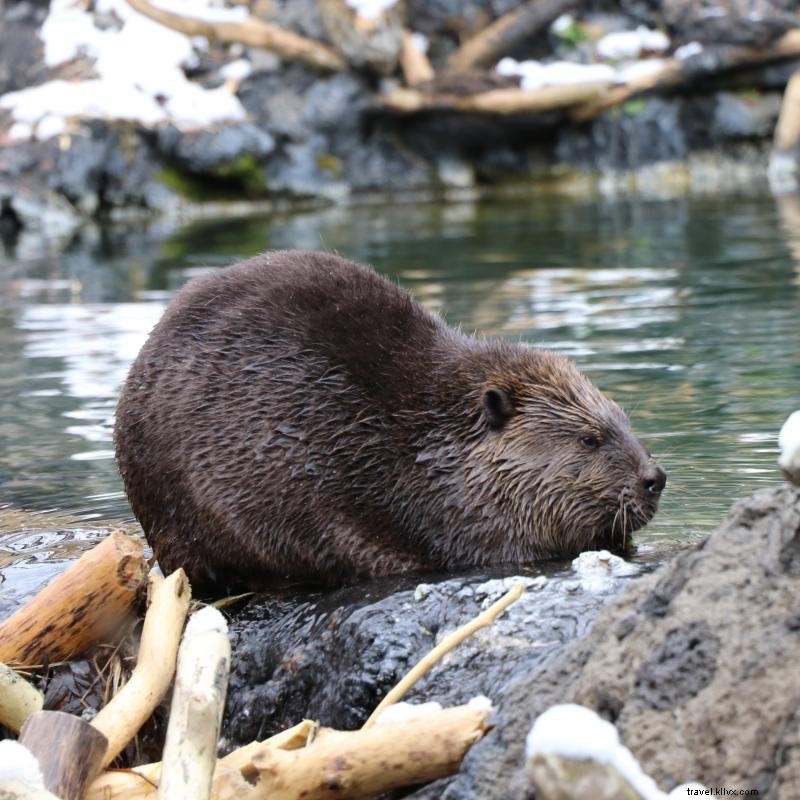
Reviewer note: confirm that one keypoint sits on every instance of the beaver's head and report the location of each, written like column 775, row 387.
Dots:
column 566, row 466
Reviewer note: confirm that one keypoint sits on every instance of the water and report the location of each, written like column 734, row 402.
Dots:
column 686, row 311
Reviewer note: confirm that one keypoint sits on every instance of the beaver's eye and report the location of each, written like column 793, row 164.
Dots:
column 592, row 442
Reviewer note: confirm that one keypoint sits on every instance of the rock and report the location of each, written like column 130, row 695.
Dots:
column 205, row 151
column 556, row 778
column 373, row 44
column 748, row 23
column 677, row 661
column 333, row 656
column 745, row 116
column 103, row 166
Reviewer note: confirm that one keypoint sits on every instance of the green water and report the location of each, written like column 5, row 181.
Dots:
column 686, row 311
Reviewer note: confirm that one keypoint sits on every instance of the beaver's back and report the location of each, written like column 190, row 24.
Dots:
column 261, row 386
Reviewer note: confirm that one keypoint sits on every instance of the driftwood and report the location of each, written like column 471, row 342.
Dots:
column 80, row 607
column 120, row 720
column 68, row 749
column 201, row 682
column 787, row 131
column 361, row 764
column 18, row 699
column 675, row 73
column 251, row 32
column 17, row 790
column 448, row 643
column 414, row 63
column 137, row 782
column 506, row 32
column 495, row 101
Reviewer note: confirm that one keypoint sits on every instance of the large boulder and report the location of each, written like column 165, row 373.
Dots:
column 696, row 663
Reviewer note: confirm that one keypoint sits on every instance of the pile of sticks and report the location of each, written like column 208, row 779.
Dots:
column 87, row 602
column 582, row 102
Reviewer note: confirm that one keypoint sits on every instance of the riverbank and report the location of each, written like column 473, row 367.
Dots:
column 214, row 127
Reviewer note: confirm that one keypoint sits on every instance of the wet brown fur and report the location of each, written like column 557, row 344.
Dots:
column 298, row 415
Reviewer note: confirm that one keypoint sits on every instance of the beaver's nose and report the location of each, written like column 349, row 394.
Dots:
column 654, row 479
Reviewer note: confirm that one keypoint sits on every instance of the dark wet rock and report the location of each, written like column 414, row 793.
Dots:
column 745, row 116
column 640, row 132
column 207, row 150
column 22, row 59
column 103, row 166
column 374, row 46
column 679, row 682
column 333, row 656
column 696, row 663
column 753, row 23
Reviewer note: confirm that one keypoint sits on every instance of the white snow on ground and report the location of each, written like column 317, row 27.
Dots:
column 576, row 732
column 139, row 71
column 626, row 45
column 789, row 444
column 597, row 569
column 17, row 763
column 536, row 75
column 370, row 9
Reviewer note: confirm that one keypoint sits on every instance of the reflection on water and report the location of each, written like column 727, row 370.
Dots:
column 685, row 311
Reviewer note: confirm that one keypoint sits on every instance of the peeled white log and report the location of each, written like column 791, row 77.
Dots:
column 190, row 751
column 121, row 719
column 18, row 699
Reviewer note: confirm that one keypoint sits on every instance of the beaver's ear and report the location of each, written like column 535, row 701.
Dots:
column 497, row 406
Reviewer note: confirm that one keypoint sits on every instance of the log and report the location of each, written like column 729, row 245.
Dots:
column 68, row 749
column 495, row 101
column 141, row 781
column 127, row 711
column 787, row 131
column 201, row 682
column 18, row 699
column 505, row 33
column 414, row 63
column 365, row 763
column 676, row 73
column 80, row 607
column 448, row 643
column 251, row 32
column 17, row 790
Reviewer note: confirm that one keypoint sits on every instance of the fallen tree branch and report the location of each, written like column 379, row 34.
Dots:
column 121, row 719
column 448, row 643
column 675, row 73
column 201, row 681
column 414, row 63
column 69, row 751
column 495, row 101
column 251, row 32
column 344, row 765
column 505, row 33
column 18, row 699
column 130, row 784
column 80, row 607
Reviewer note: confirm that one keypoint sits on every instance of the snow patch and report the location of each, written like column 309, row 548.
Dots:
column 536, row 75
column 139, row 71
column 17, row 763
column 631, row 44
column 207, row 620
column 597, row 569
column 576, row 732
column 789, row 444
column 370, row 9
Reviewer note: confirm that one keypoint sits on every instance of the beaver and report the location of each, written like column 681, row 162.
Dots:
column 298, row 416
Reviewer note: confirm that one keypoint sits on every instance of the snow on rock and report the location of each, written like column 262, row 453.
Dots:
column 17, row 763
column 631, row 44
column 576, row 732
column 370, row 9
column 789, row 444
column 536, row 75
column 139, row 70
column 406, row 712
column 688, row 50
column 596, row 569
